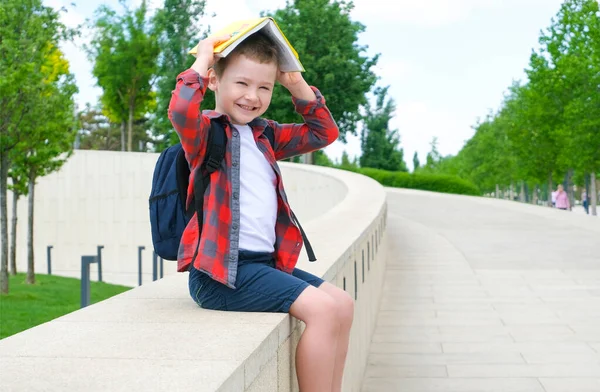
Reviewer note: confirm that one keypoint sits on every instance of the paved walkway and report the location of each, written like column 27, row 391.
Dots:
column 487, row 295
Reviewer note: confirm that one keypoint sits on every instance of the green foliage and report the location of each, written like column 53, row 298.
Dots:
column 178, row 30
column 51, row 297
column 573, row 46
column 51, row 141
column 379, row 144
column 325, row 38
column 422, row 181
column 27, row 30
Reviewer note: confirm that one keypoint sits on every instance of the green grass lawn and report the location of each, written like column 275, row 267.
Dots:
column 26, row 306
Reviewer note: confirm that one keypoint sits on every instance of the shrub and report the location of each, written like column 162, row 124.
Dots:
column 428, row 182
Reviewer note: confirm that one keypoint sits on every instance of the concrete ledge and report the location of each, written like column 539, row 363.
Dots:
column 155, row 338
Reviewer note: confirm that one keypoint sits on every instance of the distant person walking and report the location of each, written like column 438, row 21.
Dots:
column 554, row 193
column 584, row 201
column 562, row 199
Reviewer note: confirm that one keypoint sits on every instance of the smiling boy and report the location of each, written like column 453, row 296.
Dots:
column 246, row 255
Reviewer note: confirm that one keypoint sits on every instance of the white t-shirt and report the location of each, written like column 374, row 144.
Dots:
column 258, row 196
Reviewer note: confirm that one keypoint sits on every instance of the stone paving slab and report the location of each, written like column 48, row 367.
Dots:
column 486, row 295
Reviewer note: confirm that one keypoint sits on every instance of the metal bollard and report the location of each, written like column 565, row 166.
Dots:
column 85, row 278
column 100, row 247
column 161, row 267
column 49, row 259
column 154, row 266
column 140, row 249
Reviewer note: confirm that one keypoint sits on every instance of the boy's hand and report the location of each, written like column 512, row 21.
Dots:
column 289, row 79
column 296, row 85
column 205, row 56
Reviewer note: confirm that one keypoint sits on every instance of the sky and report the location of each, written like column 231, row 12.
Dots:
column 448, row 62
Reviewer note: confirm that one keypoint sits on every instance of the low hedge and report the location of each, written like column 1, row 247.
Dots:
column 427, row 182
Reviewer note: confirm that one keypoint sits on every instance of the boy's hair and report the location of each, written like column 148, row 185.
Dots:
column 258, row 47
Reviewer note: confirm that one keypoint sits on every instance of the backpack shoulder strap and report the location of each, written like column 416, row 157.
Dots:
column 215, row 151
column 270, row 134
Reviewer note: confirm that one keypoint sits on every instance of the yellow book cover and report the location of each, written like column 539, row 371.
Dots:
column 242, row 29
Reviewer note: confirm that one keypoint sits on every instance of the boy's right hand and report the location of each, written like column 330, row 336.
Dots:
column 205, row 56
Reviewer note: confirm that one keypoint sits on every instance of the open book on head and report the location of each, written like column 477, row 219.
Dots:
column 242, row 29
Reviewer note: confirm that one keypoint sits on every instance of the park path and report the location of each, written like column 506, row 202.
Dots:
column 485, row 295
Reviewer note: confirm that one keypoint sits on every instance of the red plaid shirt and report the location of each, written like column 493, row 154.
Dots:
column 218, row 248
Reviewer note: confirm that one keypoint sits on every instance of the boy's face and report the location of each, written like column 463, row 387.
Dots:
column 244, row 90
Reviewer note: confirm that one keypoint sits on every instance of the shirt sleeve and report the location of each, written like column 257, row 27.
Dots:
column 318, row 130
column 184, row 113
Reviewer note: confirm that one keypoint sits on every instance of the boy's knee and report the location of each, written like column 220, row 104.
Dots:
column 345, row 309
column 326, row 312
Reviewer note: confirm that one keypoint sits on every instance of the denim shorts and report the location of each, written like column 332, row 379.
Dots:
column 260, row 287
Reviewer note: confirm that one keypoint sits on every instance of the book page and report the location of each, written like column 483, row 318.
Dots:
column 288, row 61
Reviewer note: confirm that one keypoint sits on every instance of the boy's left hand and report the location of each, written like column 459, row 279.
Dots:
column 296, row 85
column 289, row 79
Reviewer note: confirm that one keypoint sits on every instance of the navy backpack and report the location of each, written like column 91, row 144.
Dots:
column 168, row 215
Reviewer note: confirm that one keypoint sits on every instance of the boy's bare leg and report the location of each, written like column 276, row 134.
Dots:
column 316, row 351
column 345, row 308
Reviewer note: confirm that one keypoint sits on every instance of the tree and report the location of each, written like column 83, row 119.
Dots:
column 97, row 132
column 433, row 157
column 18, row 187
column 124, row 50
column 333, row 60
column 416, row 163
column 321, row 159
column 27, row 29
column 379, row 144
column 487, row 159
column 346, row 163
column 537, row 109
column 573, row 45
column 178, row 30
column 49, row 142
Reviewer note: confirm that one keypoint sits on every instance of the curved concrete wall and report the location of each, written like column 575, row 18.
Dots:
column 154, row 337
column 101, row 198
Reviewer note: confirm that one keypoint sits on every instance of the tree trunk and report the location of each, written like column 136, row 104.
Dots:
column 522, row 194
column 594, row 193
column 13, row 235
column 511, row 192
column 550, row 190
column 570, row 191
column 130, row 129
column 30, row 264
column 497, row 191
column 122, row 135
column 4, row 222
